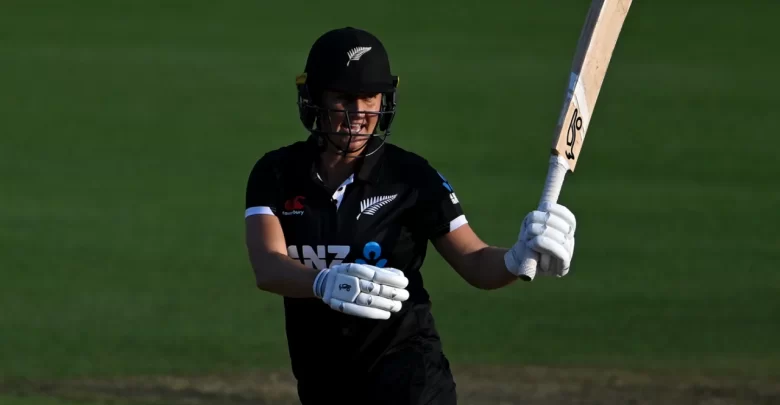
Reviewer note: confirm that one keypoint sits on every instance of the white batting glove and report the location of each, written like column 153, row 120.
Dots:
column 548, row 234
column 362, row 290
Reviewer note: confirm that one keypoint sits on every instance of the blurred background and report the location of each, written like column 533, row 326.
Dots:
column 128, row 130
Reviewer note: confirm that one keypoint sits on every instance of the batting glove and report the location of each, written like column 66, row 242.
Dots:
column 362, row 290
column 548, row 234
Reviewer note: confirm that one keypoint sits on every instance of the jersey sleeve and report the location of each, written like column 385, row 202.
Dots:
column 438, row 208
column 263, row 188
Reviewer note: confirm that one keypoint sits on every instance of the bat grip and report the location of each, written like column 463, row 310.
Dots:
column 556, row 172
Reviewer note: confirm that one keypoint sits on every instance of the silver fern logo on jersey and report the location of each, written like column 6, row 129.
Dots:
column 370, row 206
column 355, row 54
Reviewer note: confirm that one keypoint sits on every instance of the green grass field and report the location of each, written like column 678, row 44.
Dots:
column 128, row 129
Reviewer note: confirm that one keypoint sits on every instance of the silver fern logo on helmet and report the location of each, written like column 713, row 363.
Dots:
column 355, row 54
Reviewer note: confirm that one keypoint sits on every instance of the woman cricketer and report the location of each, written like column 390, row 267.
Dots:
column 338, row 224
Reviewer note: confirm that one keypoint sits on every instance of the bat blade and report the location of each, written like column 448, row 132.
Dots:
column 595, row 47
column 594, row 52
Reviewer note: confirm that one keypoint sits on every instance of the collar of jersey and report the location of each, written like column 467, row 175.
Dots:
column 367, row 169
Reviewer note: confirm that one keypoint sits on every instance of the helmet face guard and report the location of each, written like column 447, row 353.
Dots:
column 317, row 118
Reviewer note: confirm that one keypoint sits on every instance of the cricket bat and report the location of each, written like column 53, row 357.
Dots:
column 596, row 44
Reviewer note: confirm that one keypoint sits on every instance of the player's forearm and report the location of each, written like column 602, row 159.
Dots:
column 491, row 270
column 484, row 268
column 279, row 274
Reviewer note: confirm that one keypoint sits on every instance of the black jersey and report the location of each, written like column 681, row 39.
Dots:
column 383, row 215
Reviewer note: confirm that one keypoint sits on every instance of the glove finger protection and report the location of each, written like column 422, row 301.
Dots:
column 362, row 290
column 537, row 219
column 392, row 293
column 542, row 230
column 384, row 276
column 375, row 301
column 562, row 212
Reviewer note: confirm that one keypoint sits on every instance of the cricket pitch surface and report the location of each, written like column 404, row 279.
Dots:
column 477, row 385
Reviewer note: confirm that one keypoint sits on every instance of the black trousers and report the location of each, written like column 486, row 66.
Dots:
column 413, row 375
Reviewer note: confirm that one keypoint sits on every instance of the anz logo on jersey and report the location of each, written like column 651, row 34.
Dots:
column 322, row 256
column 317, row 256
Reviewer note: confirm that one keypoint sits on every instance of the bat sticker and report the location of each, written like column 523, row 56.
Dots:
column 571, row 135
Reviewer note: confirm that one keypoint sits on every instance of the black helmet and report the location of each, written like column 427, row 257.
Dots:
column 352, row 61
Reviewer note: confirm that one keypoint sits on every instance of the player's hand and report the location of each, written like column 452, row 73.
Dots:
column 548, row 234
column 362, row 290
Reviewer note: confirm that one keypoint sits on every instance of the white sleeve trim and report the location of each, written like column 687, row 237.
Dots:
column 258, row 211
column 458, row 222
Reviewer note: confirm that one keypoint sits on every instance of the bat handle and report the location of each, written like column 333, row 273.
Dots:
column 556, row 172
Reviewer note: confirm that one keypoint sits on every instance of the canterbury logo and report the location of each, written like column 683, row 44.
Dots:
column 356, row 53
column 370, row 206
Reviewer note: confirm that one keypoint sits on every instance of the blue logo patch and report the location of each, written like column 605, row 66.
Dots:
column 372, row 252
column 446, row 183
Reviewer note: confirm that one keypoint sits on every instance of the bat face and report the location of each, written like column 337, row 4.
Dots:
column 571, row 128
column 594, row 51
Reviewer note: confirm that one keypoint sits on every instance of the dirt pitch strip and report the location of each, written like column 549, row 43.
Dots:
column 477, row 386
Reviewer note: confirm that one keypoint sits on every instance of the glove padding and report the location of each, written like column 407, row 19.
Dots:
column 548, row 234
column 362, row 290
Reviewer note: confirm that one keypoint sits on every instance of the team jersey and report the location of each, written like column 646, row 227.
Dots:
column 383, row 215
